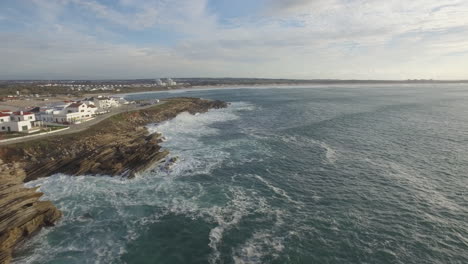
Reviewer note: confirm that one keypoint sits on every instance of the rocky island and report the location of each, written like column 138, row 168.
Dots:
column 118, row 146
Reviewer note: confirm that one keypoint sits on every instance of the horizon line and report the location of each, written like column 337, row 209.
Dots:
column 243, row 78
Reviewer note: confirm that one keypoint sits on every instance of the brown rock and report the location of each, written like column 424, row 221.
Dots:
column 22, row 213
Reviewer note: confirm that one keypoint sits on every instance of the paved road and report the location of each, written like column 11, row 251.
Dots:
column 85, row 125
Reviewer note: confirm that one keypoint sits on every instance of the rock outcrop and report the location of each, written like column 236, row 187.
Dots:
column 21, row 214
column 120, row 145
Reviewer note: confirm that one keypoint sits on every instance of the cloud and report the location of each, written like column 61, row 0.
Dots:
column 288, row 38
column 300, row 6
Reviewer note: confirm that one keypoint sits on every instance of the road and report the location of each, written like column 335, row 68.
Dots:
column 83, row 126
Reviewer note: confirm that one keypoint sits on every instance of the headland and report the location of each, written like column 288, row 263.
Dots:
column 118, row 146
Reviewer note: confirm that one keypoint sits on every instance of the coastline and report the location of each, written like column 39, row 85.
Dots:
column 284, row 86
column 118, row 146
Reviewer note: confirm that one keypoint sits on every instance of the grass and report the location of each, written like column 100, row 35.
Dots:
column 53, row 128
column 10, row 135
column 14, row 135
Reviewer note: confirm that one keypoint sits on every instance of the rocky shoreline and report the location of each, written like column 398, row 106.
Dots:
column 118, row 146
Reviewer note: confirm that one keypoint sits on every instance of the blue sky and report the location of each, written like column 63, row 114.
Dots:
column 306, row 39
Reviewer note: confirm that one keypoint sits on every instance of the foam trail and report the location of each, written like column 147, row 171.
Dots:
column 226, row 218
column 330, row 153
column 257, row 247
column 276, row 190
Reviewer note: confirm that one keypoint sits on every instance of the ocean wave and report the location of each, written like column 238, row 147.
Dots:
column 243, row 203
column 226, row 218
column 185, row 136
column 421, row 186
column 276, row 190
column 330, row 153
column 261, row 244
column 105, row 214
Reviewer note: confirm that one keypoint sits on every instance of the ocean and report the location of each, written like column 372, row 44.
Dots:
column 320, row 174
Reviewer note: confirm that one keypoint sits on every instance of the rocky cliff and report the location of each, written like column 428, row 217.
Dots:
column 120, row 145
column 21, row 214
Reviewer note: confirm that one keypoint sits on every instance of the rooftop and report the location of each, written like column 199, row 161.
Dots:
column 23, row 113
column 75, row 105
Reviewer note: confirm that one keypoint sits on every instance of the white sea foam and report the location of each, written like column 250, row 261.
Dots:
column 330, row 153
column 103, row 214
column 241, row 204
column 256, row 248
column 226, row 218
column 277, row 190
column 422, row 187
column 185, row 135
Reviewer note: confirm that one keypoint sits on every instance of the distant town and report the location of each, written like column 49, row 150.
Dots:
column 31, row 107
column 40, row 88
column 9, row 89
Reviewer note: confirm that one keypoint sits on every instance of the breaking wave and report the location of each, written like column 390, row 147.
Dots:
column 106, row 214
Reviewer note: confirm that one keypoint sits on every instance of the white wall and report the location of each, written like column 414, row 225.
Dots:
column 16, row 126
column 4, row 119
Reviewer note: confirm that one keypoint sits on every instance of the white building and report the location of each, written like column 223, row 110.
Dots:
column 71, row 113
column 106, row 102
column 159, row 82
column 170, row 82
column 24, row 122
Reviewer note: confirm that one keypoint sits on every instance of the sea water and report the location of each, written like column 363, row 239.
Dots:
column 324, row 174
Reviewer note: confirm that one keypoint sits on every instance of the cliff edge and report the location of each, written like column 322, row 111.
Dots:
column 118, row 146
column 21, row 214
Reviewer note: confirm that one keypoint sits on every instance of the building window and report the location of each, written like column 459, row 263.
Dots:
column 30, row 117
column 24, row 128
column 3, row 128
column 1, row 120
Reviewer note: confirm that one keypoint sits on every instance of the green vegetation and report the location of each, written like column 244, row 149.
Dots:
column 29, row 89
column 10, row 135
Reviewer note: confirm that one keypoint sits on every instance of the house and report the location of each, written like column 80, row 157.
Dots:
column 69, row 112
column 106, row 102
column 4, row 118
column 77, row 108
column 24, row 122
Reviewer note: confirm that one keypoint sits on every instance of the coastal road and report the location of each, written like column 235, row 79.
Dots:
column 85, row 125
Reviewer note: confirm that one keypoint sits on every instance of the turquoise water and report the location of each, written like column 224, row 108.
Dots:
column 342, row 174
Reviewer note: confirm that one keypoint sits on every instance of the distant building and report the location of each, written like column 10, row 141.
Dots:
column 158, row 82
column 170, row 82
column 106, row 102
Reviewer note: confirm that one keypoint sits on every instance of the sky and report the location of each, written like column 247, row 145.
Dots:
column 300, row 39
